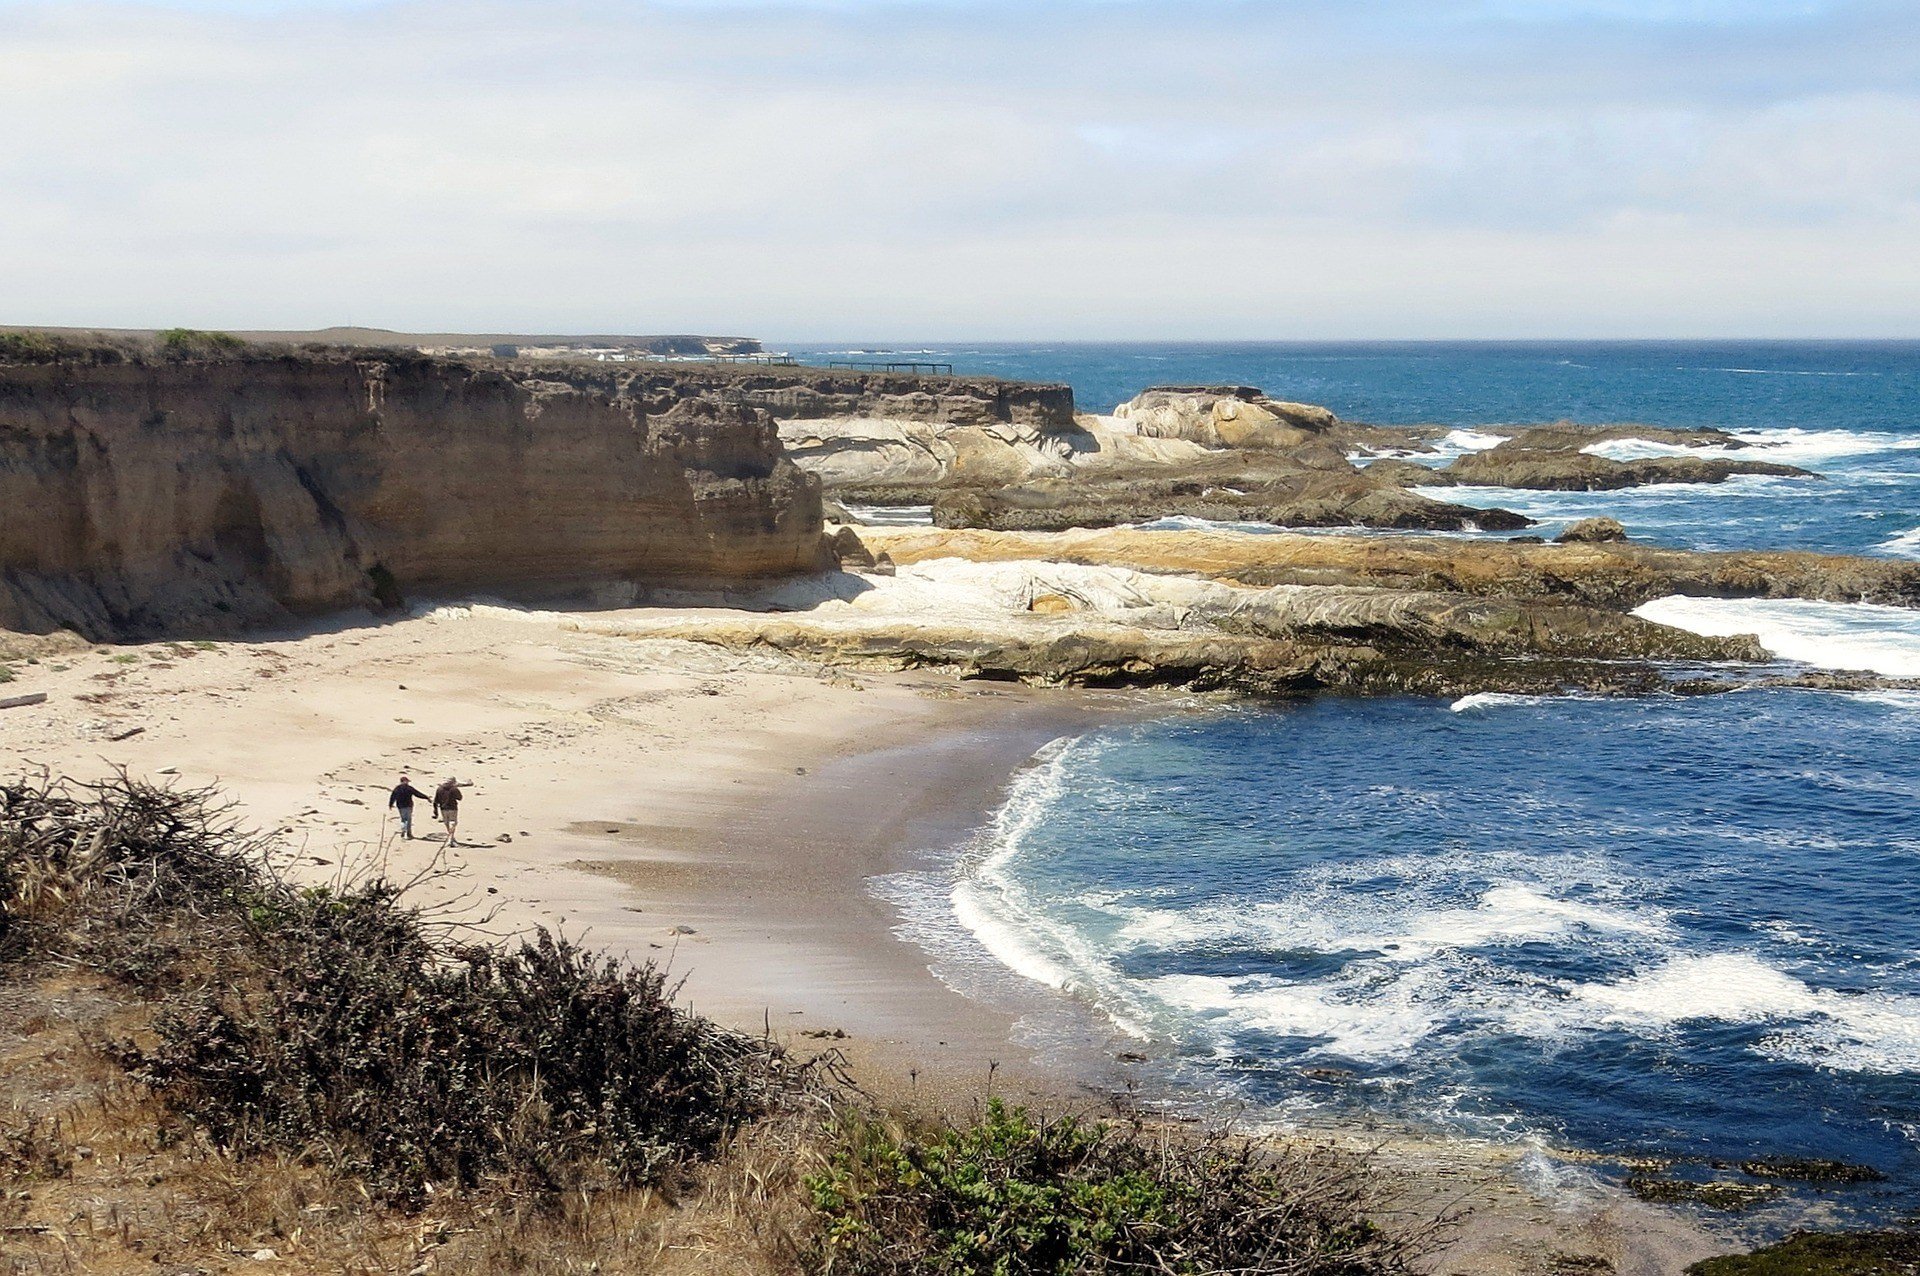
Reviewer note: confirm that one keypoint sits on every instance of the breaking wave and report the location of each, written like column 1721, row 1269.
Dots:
column 1844, row 636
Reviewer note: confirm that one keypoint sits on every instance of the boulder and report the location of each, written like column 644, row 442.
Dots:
column 1223, row 417
column 1593, row 531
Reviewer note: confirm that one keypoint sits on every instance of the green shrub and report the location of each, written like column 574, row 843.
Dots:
column 6, row 674
column 1014, row 1194
column 193, row 343
column 30, row 347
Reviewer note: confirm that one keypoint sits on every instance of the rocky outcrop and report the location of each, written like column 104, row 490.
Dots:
column 1593, row 531
column 173, row 496
column 899, row 457
column 1554, row 458
column 1052, row 622
column 1305, row 498
column 1617, row 576
column 998, row 455
column 1234, row 416
column 1576, row 471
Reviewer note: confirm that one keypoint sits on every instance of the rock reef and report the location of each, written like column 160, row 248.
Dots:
column 1555, row 458
column 1054, row 622
column 1614, row 575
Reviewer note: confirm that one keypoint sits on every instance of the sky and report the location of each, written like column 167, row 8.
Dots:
column 807, row 170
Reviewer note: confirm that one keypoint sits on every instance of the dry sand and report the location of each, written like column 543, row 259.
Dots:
column 716, row 811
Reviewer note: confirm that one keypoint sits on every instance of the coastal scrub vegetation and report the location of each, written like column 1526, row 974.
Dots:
column 1014, row 1192
column 196, row 343
column 206, row 1054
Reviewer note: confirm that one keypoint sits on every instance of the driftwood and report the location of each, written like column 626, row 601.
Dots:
column 128, row 734
column 21, row 702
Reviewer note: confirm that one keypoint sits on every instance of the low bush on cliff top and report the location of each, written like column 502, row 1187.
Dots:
column 29, row 347
column 171, row 345
column 344, row 1026
column 1014, row 1194
column 195, row 343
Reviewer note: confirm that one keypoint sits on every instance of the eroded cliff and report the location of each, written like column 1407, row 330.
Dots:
column 141, row 496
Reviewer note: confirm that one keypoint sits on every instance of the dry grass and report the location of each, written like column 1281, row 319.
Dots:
column 97, row 1176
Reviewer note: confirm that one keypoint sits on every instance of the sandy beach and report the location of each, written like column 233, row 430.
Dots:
column 661, row 801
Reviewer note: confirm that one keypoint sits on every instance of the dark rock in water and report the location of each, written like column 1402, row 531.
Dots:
column 1265, row 493
column 1582, row 472
column 1526, row 540
column 1552, row 458
column 1884, row 1253
column 1717, row 1194
column 1803, row 1169
column 1593, row 531
column 1328, row 1074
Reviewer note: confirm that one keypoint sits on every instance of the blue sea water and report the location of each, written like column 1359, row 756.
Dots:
column 1671, row 926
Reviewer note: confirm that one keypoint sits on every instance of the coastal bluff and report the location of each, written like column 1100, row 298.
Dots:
column 148, row 495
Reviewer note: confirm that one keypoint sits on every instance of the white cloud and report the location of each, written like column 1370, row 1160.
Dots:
column 1149, row 169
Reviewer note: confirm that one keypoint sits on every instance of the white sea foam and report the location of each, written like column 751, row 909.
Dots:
column 1188, row 523
column 1470, row 441
column 1792, row 446
column 1377, row 1024
column 1491, row 700
column 1322, row 920
column 1728, row 987
column 1789, row 372
column 1645, row 449
column 1568, row 1187
column 1854, row 1032
column 1884, row 640
column 1799, row 447
column 1905, row 545
column 891, row 515
column 1825, row 1028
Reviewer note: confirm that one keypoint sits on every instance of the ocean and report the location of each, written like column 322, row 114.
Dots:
column 1679, row 928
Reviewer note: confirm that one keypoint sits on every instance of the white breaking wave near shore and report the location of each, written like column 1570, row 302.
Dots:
column 1376, row 977
column 1905, row 545
column 1792, row 446
column 1843, row 636
column 989, row 901
column 1437, row 971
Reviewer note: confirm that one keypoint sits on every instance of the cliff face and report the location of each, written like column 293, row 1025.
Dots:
column 140, row 498
column 862, row 429
column 811, row 394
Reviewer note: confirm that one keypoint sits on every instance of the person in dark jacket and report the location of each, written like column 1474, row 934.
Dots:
column 446, row 806
column 401, row 800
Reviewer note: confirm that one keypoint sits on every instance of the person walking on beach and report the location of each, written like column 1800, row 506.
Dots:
column 446, row 806
column 401, row 801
